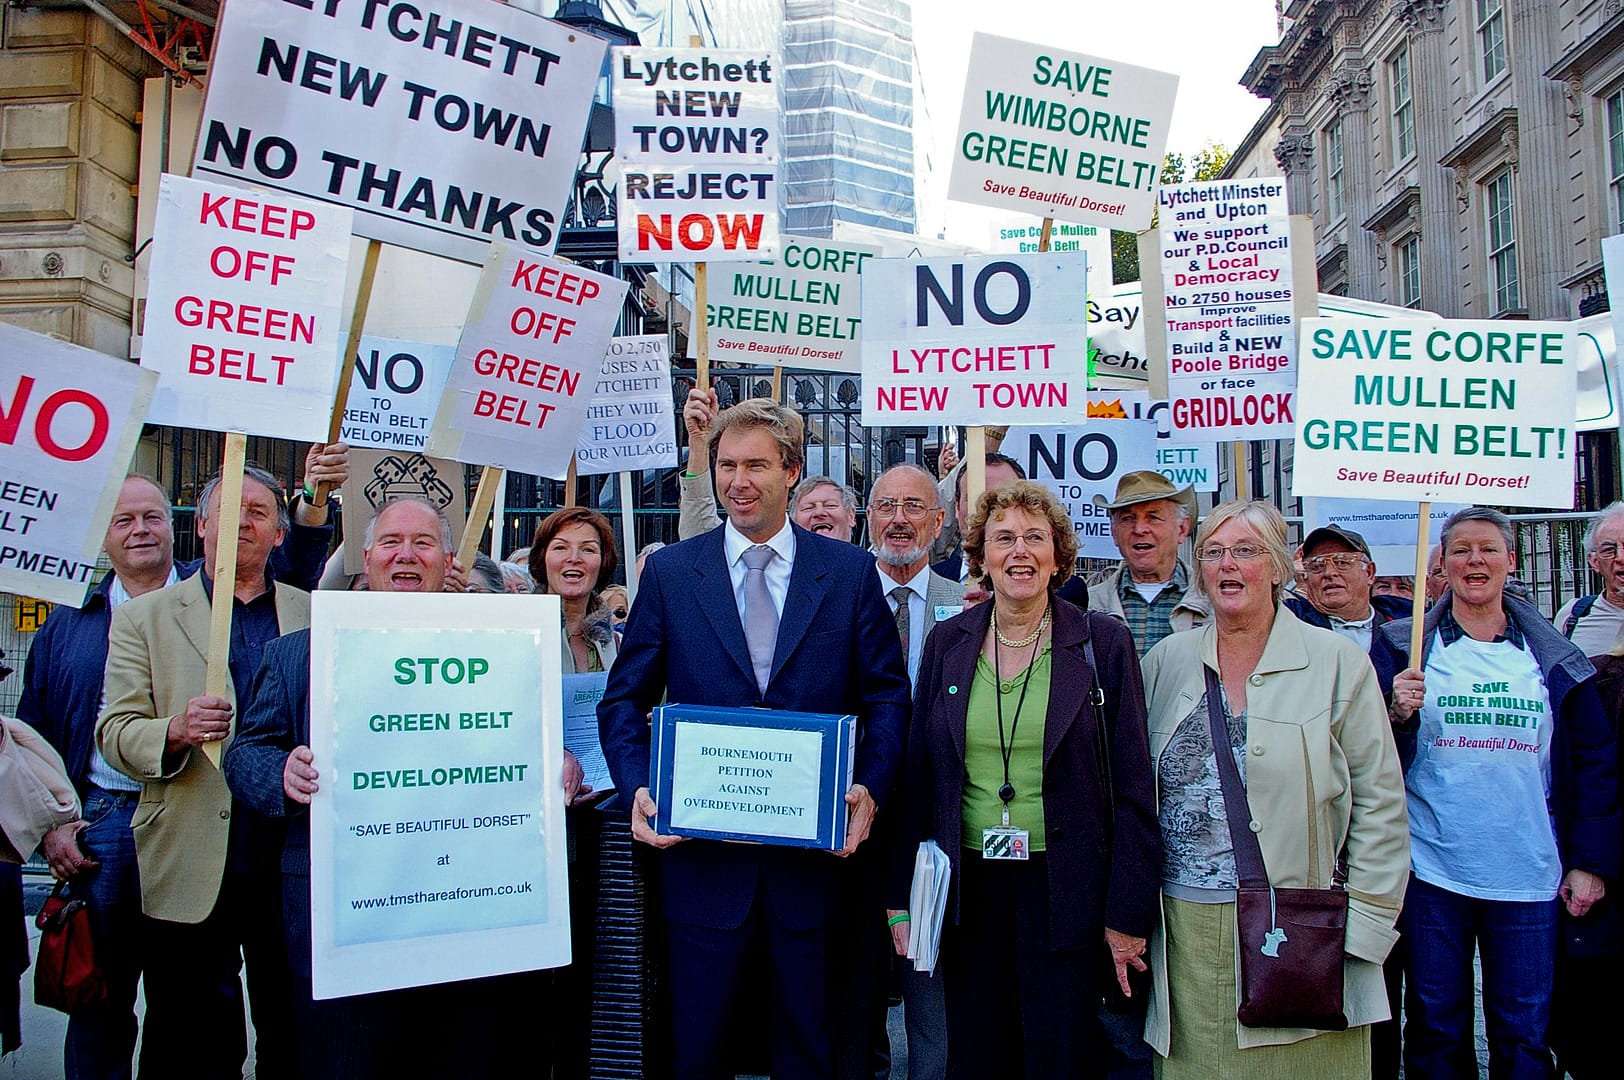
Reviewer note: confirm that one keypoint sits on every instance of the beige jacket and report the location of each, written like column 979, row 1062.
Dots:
column 157, row 659
column 1192, row 610
column 1322, row 772
column 36, row 795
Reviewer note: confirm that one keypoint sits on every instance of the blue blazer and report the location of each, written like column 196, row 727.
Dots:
column 276, row 719
column 837, row 652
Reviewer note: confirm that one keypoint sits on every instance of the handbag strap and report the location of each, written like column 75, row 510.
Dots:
column 1102, row 731
column 1248, row 853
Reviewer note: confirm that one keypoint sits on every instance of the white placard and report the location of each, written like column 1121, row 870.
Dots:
column 631, row 421
column 1001, row 339
column 1388, row 527
column 804, row 310
column 394, row 393
column 69, row 421
column 1080, row 463
column 696, row 136
column 1231, row 342
column 1612, row 258
column 1095, row 241
column 437, row 846
column 1185, row 462
column 445, row 125
column 243, row 309
column 530, row 354
column 1449, row 410
column 1062, row 135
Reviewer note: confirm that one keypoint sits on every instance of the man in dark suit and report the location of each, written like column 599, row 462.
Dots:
column 835, row 650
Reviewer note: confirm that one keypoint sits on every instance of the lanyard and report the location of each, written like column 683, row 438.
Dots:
column 1006, row 794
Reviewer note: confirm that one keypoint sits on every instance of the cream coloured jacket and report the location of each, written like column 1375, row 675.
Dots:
column 1322, row 773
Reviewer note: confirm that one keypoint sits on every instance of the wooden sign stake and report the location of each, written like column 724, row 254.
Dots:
column 570, row 483
column 1418, row 604
column 701, row 333
column 352, row 345
column 628, row 533
column 227, row 522
column 490, row 479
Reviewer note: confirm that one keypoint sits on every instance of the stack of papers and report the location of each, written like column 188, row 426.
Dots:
column 927, row 903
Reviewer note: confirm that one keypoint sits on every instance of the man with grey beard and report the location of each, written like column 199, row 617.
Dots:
column 904, row 518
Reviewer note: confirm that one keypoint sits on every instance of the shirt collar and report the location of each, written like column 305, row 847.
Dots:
column 208, row 583
column 1366, row 623
column 117, row 594
column 918, row 584
column 735, row 542
column 1449, row 631
column 1181, row 579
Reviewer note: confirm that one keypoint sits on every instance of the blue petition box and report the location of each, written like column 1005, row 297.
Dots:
column 758, row 775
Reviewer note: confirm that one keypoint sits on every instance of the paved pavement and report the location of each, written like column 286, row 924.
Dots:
column 40, row 1057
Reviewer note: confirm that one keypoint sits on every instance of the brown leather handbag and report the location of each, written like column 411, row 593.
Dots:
column 1291, row 940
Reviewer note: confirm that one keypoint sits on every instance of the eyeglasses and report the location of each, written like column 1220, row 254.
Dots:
column 1342, row 560
column 1034, row 538
column 912, row 508
column 1240, row 552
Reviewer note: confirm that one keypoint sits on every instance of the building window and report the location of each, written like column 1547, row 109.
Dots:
column 1491, row 37
column 1403, row 105
column 1503, row 241
column 1333, row 171
column 1615, row 156
column 1409, row 271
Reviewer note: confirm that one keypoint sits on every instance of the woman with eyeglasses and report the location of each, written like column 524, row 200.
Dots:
column 1027, row 764
column 1511, row 774
column 1304, row 724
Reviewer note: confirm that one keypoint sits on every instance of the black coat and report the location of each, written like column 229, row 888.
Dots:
column 1104, row 865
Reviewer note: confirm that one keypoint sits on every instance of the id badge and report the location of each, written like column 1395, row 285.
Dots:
column 1005, row 842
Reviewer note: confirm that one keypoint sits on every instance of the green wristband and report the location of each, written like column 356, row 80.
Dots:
column 899, row 918
column 309, row 493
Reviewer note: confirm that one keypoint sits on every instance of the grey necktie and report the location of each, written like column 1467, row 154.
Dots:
column 899, row 596
column 760, row 616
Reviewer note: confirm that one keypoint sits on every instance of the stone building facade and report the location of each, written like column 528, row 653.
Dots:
column 70, row 104
column 1463, row 157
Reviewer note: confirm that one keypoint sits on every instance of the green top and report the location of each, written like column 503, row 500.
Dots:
column 984, row 764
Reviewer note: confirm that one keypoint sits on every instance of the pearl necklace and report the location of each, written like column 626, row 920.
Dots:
column 1043, row 624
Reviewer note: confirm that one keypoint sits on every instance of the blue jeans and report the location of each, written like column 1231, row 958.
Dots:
column 1518, row 946
column 101, row 1038
column 194, row 1002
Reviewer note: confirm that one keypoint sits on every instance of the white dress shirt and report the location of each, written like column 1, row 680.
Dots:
column 916, row 587
column 777, row 572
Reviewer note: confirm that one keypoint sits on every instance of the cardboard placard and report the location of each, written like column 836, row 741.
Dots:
column 696, row 136
column 1390, row 528
column 1186, row 462
column 1452, row 410
column 394, row 393
column 999, row 339
column 631, row 420
column 804, row 310
column 437, row 847
column 530, row 354
column 1231, row 334
column 376, row 476
column 69, row 421
column 445, row 125
column 1060, row 134
column 243, row 309
column 1078, row 464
